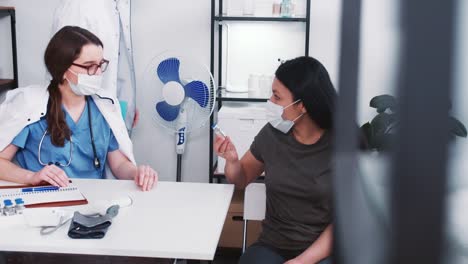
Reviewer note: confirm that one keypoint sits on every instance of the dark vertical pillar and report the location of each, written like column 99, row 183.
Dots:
column 419, row 176
column 345, row 127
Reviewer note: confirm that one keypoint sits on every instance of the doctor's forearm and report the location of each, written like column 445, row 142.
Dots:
column 13, row 173
column 126, row 171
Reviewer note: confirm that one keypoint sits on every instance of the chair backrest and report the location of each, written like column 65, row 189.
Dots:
column 255, row 201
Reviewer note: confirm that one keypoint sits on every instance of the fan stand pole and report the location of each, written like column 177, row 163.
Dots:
column 179, row 168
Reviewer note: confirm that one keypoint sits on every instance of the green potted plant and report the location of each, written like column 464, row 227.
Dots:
column 380, row 131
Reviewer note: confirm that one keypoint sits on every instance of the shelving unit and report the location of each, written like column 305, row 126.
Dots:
column 222, row 95
column 6, row 84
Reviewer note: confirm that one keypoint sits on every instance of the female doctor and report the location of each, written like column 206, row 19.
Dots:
column 70, row 128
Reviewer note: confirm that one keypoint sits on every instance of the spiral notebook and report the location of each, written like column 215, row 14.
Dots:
column 64, row 196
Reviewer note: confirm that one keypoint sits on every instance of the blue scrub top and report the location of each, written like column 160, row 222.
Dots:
column 82, row 165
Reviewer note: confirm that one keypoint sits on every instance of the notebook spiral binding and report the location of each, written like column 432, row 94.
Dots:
column 63, row 189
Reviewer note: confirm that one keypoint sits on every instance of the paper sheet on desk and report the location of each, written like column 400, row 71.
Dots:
column 12, row 221
column 64, row 196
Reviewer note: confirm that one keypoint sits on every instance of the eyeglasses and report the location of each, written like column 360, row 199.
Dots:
column 92, row 69
column 55, row 163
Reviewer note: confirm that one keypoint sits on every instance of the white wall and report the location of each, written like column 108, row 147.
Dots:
column 325, row 24
column 378, row 54
column 461, row 63
column 460, row 93
column 6, row 59
column 459, row 166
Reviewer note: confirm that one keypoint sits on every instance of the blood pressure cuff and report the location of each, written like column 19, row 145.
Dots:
column 85, row 226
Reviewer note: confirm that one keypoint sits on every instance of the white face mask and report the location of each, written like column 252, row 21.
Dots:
column 275, row 116
column 87, row 84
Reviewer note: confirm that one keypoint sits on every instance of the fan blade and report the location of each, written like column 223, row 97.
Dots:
column 168, row 70
column 166, row 111
column 198, row 91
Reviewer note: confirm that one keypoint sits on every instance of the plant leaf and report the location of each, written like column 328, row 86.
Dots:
column 382, row 102
column 456, row 127
column 382, row 122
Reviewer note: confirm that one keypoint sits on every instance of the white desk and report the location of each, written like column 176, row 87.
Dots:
column 174, row 220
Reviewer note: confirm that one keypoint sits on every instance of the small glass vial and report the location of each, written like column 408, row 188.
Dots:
column 19, row 206
column 286, row 8
column 292, row 8
column 218, row 130
column 9, row 209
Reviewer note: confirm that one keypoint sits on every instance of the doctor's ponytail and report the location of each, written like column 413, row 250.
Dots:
column 57, row 126
column 64, row 48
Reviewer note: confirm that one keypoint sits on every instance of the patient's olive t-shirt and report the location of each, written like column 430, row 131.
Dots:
column 298, row 188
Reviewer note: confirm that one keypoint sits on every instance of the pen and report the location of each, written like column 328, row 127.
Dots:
column 40, row 189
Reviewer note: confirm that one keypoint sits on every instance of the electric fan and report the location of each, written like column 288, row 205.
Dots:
column 184, row 96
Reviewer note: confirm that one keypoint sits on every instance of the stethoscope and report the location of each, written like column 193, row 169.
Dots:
column 96, row 161
column 55, row 163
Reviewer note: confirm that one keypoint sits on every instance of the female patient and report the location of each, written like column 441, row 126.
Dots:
column 70, row 128
column 295, row 151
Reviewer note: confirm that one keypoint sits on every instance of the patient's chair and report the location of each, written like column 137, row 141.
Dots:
column 254, row 206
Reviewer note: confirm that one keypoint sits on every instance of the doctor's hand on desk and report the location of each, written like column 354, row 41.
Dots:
column 146, row 177
column 51, row 174
column 143, row 175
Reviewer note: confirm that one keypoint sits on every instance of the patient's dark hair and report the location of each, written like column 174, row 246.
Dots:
column 64, row 48
column 308, row 80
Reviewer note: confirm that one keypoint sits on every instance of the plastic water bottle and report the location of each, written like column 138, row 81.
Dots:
column 19, row 205
column 9, row 209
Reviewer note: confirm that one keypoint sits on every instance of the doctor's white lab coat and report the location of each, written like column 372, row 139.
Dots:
column 109, row 20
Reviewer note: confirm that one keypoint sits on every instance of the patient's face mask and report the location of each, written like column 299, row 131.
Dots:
column 87, row 84
column 275, row 116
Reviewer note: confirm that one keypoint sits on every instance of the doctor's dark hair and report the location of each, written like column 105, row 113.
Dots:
column 308, row 80
column 64, row 48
